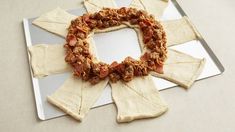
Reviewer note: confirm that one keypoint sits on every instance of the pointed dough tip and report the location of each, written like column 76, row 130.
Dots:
column 196, row 75
column 53, row 101
column 126, row 119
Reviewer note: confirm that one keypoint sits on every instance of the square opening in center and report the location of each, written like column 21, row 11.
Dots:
column 117, row 45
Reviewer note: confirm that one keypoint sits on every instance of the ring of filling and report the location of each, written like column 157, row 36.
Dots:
column 84, row 66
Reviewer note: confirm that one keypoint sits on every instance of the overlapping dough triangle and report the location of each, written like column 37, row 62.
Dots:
column 154, row 7
column 181, row 68
column 75, row 97
column 96, row 5
column 137, row 99
column 55, row 21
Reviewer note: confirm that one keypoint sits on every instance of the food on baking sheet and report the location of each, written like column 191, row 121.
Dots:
column 137, row 99
column 181, row 68
column 79, row 57
column 93, row 6
column 154, row 7
column 75, row 97
column 56, row 21
column 133, row 90
column 47, row 59
column 179, row 31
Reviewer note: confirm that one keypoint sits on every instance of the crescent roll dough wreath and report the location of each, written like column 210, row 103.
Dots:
column 136, row 99
column 79, row 57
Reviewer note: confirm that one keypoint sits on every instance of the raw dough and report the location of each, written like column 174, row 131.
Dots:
column 185, row 33
column 181, row 68
column 154, row 7
column 47, row 59
column 137, row 99
column 179, row 31
column 75, row 97
column 111, row 28
column 96, row 5
column 140, row 39
column 92, row 49
column 134, row 100
column 56, row 21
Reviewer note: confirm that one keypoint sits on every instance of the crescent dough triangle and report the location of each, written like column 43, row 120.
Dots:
column 179, row 31
column 154, row 7
column 96, row 5
column 137, row 99
column 75, row 97
column 47, row 59
column 56, row 21
column 181, row 68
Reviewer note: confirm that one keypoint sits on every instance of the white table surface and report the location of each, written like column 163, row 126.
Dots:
column 208, row 106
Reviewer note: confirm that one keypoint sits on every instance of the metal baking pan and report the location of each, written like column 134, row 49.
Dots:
column 109, row 47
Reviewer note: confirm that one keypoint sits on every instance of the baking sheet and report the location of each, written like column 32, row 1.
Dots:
column 110, row 47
